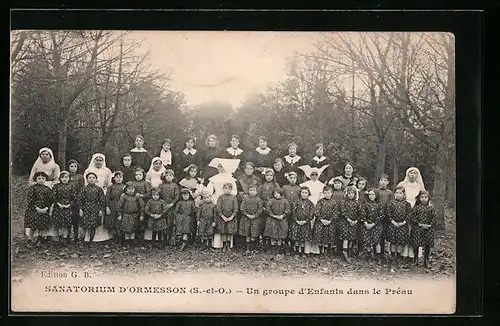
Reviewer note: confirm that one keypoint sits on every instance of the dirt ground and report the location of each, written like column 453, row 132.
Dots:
column 109, row 259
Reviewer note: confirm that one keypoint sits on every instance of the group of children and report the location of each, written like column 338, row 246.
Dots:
column 266, row 201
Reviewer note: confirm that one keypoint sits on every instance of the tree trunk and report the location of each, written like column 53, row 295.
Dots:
column 439, row 194
column 61, row 150
column 380, row 158
column 395, row 171
column 451, row 187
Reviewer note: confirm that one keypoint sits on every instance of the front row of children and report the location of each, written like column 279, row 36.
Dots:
column 348, row 221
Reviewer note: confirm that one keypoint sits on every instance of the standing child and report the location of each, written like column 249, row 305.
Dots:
column 265, row 192
column 193, row 184
column 77, row 182
column 143, row 190
column 166, row 155
column 39, row 198
column 226, row 223
column 349, row 216
column 112, row 197
column 206, row 215
column 64, row 196
column 127, row 168
column 291, row 192
column 338, row 189
column 247, row 180
column 130, row 209
column 184, row 212
column 251, row 219
column 325, row 225
column 170, row 193
column 385, row 195
column 140, row 156
column 397, row 212
column 302, row 216
column 155, row 210
column 279, row 172
column 361, row 186
column 423, row 215
column 293, row 161
column 276, row 227
column 372, row 224
column 92, row 203
column 155, row 171
column 319, row 161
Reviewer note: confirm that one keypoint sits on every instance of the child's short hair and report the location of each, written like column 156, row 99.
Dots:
column 115, row 174
column 62, row 173
column 139, row 137
column 167, row 172
column 253, row 185
column 166, row 141
column 129, row 185
column 263, row 138
column 228, row 184
column 327, row 188
column 278, row 160
column 278, row 191
column 383, row 176
column 400, row 188
column 140, row 170
column 337, row 179
column 192, row 167
column 185, row 191
column 249, row 164
column 188, row 138
column 270, row 171
column 155, row 191
column 40, row 173
column 292, row 144
column 377, row 194
column 422, row 192
column 318, row 145
column 90, row 173
column 206, row 194
column 351, row 189
column 235, row 137
column 291, row 174
column 362, row 179
column 214, row 137
column 73, row 161
column 306, row 188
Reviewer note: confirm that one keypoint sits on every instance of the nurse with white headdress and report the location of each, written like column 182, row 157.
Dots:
column 226, row 168
column 97, row 165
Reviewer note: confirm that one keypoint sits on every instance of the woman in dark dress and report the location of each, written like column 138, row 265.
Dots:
column 189, row 155
column 262, row 157
column 140, row 156
column 212, row 151
column 292, row 161
column 234, row 152
column 319, row 161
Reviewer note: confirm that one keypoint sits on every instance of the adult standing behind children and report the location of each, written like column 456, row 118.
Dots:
column 188, row 156
column 140, row 156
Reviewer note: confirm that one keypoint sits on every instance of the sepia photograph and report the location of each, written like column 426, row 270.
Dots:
column 232, row 172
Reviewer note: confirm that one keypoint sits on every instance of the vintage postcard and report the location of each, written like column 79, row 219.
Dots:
column 232, row 172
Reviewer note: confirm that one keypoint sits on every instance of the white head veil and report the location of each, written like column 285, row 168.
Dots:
column 162, row 169
column 52, row 164
column 418, row 180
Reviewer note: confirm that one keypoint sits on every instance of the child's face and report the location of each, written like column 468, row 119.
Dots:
column 412, row 175
column 327, row 194
column 248, row 170
column 278, row 166
column 193, row 173
column 337, row 185
column 277, row 195
column 292, row 150
column 361, row 185
column 227, row 190
column 211, row 142
column 139, row 143
column 185, row 196
column 314, row 176
column 138, row 176
column 371, row 195
column 351, row 195
column 383, row 183
column 207, row 199
column 73, row 167
column 269, row 177
column 262, row 143
column 127, row 161
column 64, row 178
column 91, row 179
column 40, row 179
column 292, row 179
column 98, row 162
column 169, row 177
column 234, row 143
column 130, row 191
column 304, row 194
column 45, row 156
column 220, row 168
column 118, row 178
column 348, row 169
column 319, row 151
column 166, row 147
column 252, row 191
column 155, row 196
column 189, row 144
column 399, row 194
column 157, row 165
column 424, row 199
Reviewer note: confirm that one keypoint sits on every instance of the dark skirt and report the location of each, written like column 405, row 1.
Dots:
column 420, row 237
column 250, row 227
column 222, row 227
column 61, row 217
column 129, row 223
column 157, row 225
column 91, row 218
column 36, row 221
column 205, row 229
column 346, row 231
column 300, row 232
column 183, row 224
column 324, row 234
column 276, row 229
column 372, row 236
column 110, row 221
column 398, row 235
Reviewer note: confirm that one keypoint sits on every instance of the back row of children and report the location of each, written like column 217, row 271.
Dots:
column 260, row 203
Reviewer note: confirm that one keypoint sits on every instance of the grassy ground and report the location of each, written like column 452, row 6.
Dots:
column 110, row 259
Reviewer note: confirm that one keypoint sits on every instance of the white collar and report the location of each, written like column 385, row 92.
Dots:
column 317, row 159
column 136, row 150
column 192, row 151
column 233, row 151
column 263, row 151
column 292, row 160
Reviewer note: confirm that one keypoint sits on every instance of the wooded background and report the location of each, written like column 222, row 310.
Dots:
column 383, row 101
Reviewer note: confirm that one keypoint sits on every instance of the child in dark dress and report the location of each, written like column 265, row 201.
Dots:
column 155, row 210
column 140, row 156
column 247, row 180
column 291, row 192
column 265, row 192
column 188, row 156
column 143, row 190
column 349, row 216
column 127, row 168
column 77, row 182
column 170, row 192
column 302, row 215
column 423, row 215
column 397, row 212
column 64, row 196
column 131, row 211
column 113, row 195
column 372, row 224
column 319, row 161
column 251, row 220
column 325, row 224
column 226, row 222
column 385, row 195
column 361, row 184
column 280, row 175
column 92, row 203
column 40, row 199
column 205, row 217
column 184, row 213
column 276, row 228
